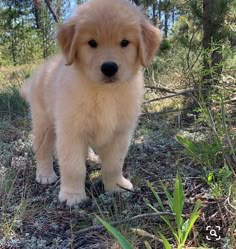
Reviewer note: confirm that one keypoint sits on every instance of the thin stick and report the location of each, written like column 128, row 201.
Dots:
column 140, row 216
column 162, row 89
column 183, row 92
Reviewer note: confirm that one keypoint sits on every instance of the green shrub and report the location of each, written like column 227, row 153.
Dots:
column 11, row 103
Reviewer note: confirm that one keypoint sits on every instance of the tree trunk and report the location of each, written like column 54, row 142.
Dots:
column 159, row 10
column 154, row 16
column 137, row 2
column 207, row 34
column 51, row 10
column 166, row 23
column 212, row 56
column 36, row 14
column 173, row 16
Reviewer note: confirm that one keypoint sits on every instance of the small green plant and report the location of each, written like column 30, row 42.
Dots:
column 215, row 153
column 181, row 229
column 201, row 152
column 10, row 224
column 124, row 243
column 218, row 180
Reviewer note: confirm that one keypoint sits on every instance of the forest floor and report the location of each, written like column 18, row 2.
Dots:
column 32, row 217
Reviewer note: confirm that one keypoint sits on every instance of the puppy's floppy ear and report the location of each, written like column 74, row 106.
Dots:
column 150, row 39
column 66, row 37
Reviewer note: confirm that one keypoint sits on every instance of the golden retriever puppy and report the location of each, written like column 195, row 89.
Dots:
column 91, row 95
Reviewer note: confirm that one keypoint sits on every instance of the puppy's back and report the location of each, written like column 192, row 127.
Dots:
column 39, row 83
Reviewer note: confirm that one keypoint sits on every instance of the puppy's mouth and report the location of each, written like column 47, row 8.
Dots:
column 109, row 80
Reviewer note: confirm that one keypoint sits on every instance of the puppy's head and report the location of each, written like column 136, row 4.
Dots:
column 108, row 40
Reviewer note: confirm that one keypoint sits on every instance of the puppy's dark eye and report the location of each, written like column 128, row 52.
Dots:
column 92, row 43
column 124, row 43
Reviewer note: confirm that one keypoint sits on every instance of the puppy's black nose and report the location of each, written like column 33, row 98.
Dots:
column 109, row 68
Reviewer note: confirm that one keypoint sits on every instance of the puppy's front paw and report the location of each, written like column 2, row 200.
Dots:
column 46, row 179
column 72, row 198
column 119, row 185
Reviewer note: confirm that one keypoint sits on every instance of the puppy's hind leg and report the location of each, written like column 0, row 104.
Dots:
column 92, row 156
column 43, row 143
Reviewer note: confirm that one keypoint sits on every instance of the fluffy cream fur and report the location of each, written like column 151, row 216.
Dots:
column 75, row 105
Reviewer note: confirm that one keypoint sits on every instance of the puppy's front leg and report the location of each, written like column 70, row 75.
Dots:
column 71, row 155
column 112, row 156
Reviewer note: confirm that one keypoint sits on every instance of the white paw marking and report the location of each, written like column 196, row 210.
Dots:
column 46, row 179
column 119, row 185
column 72, row 198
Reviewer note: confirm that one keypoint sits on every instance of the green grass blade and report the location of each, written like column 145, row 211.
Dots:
column 184, row 229
column 147, row 245
column 193, row 218
column 187, row 143
column 168, row 196
column 156, row 195
column 153, row 208
column 171, row 227
column 124, row 243
column 165, row 241
column 190, row 147
column 178, row 203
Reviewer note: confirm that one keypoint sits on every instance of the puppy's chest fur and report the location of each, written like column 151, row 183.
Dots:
column 101, row 113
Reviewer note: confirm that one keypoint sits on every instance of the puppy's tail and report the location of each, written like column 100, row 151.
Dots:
column 24, row 91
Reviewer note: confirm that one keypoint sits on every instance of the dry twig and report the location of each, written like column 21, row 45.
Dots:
column 182, row 92
column 140, row 216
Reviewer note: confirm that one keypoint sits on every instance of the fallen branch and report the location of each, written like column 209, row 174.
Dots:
column 174, row 110
column 160, row 88
column 182, row 92
column 140, row 216
column 230, row 101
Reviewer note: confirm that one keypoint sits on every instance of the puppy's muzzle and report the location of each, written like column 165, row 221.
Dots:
column 109, row 68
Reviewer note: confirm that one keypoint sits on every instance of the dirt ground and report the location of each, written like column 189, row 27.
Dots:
column 32, row 217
